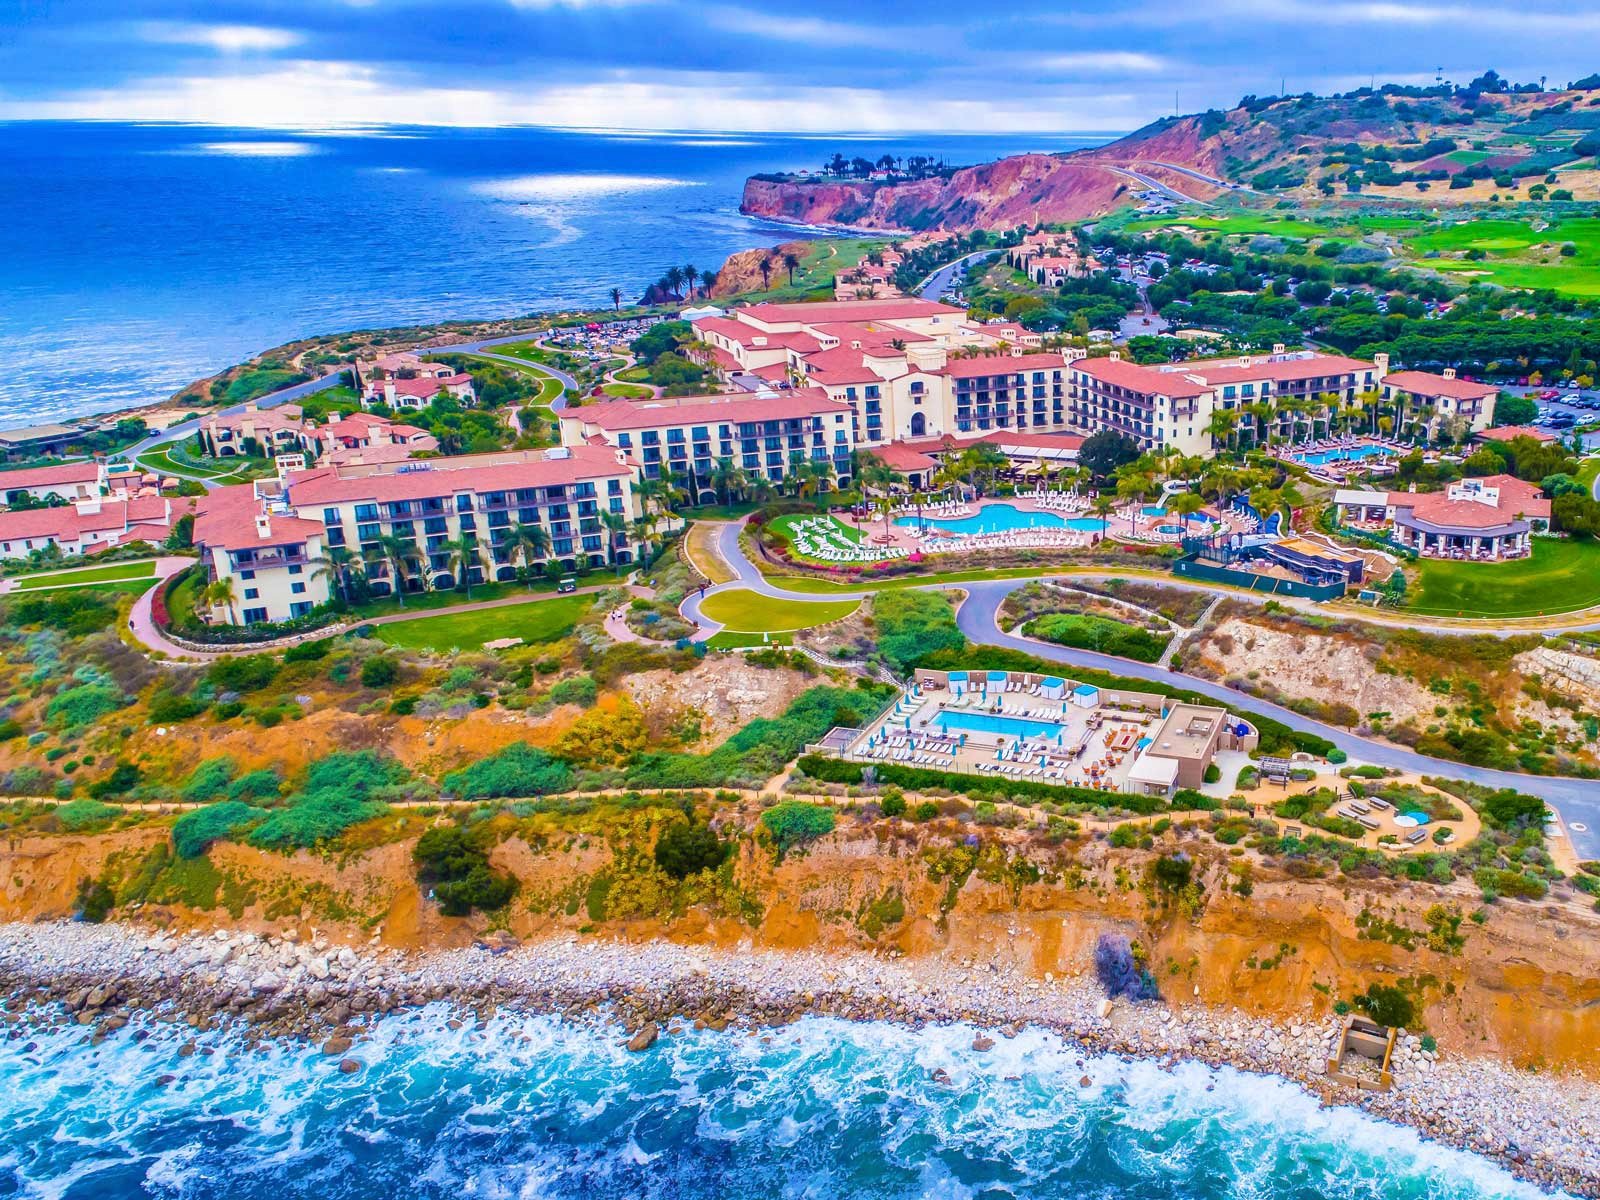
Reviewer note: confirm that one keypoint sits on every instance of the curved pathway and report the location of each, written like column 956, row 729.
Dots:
column 1576, row 799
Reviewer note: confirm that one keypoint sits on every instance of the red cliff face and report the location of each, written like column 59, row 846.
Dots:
column 1025, row 189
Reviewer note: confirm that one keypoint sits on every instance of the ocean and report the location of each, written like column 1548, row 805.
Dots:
column 531, row 1107
column 137, row 258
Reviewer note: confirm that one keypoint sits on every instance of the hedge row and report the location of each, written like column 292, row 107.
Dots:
column 836, row 770
column 1276, row 737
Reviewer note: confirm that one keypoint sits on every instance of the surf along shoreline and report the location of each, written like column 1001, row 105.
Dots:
column 104, row 978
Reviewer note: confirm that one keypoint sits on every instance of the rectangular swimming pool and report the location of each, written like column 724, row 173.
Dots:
column 1015, row 727
column 1321, row 458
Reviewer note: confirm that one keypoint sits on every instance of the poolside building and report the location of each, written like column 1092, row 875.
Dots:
column 1488, row 519
column 1431, row 399
column 61, row 483
column 1046, row 729
column 89, row 525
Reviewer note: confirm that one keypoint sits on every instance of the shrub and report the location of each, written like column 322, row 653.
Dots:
column 10, row 728
column 76, row 612
column 1337, row 756
column 308, row 651
column 1213, row 773
column 196, row 831
column 458, row 866
column 122, row 778
column 686, row 848
column 911, row 624
column 1100, row 634
column 1387, row 1005
column 262, row 784
column 78, row 816
column 207, row 781
column 248, row 673
column 580, row 690
column 379, row 671
column 168, row 707
column 95, row 901
column 313, row 819
column 82, row 705
column 1119, row 971
column 892, row 803
column 793, row 823
column 518, row 770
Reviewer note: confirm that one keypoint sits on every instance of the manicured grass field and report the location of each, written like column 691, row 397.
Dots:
column 106, row 574
column 1560, row 577
column 162, row 463
column 737, row 641
column 535, row 623
column 1243, row 223
column 550, row 387
column 627, row 391
column 1517, row 255
column 743, row 611
column 824, row 587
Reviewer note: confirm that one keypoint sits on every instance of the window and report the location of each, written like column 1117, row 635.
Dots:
column 253, row 616
column 247, row 574
column 298, row 589
column 297, row 569
column 252, row 593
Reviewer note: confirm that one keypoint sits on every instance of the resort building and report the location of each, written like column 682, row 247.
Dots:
column 89, row 525
column 362, row 431
column 269, row 536
column 1046, row 729
column 67, row 482
column 259, row 432
column 768, row 434
column 1158, row 407
column 1510, row 433
column 1030, row 453
column 1490, row 519
column 1435, row 399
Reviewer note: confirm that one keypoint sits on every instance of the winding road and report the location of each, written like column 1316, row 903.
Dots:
column 1576, row 800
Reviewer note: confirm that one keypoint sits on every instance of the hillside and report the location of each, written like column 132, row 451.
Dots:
column 1454, row 146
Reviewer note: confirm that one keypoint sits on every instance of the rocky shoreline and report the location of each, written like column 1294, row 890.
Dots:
column 1540, row 1127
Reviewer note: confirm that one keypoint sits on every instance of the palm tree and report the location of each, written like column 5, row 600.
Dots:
column 690, row 275
column 708, row 280
column 463, row 552
column 1222, row 426
column 791, row 263
column 397, row 553
column 222, row 593
column 1185, row 504
column 765, row 267
column 615, row 524
column 726, row 478
column 644, row 532
column 1101, row 507
column 526, row 543
column 1134, row 487
column 674, row 280
column 616, row 299
column 983, row 462
column 334, row 564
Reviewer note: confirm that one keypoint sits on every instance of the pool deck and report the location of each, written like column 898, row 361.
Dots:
column 1128, row 523
column 1096, row 749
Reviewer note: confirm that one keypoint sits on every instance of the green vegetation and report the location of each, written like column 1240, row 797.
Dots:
column 518, row 770
column 107, row 574
column 536, row 623
column 794, row 823
column 197, row 831
column 687, row 848
column 1561, row 576
column 456, row 863
column 913, row 624
column 744, row 611
column 1100, row 634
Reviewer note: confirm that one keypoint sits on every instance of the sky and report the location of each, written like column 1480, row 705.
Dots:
column 817, row 65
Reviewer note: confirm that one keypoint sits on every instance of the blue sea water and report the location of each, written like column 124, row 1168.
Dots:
column 136, row 258
column 534, row 1108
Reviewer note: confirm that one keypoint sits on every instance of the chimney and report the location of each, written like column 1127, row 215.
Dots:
column 1115, row 356
column 1449, row 372
column 1381, row 362
column 1277, row 347
column 263, row 525
column 334, row 416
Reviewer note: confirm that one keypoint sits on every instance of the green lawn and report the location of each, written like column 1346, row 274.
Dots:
column 550, row 388
column 106, row 574
column 1560, row 577
column 536, row 622
column 738, row 641
column 386, row 605
column 242, row 470
column 1516, row 255
column 743, row 611
column 1242, row 224
column 627, row 391
column 823, row 587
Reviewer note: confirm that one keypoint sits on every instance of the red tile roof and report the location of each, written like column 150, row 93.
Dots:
column 1517, row 499
column 1426, row 383
column 900, row 457
column 426, row 478
column 1277, row 368
column 427, row 389
column 839, row 366
column 1003, row 364
column 226, row 519
column 87, row 471
column 752, row 338
column 897, row 309
column 1141, row 379
column 144, row 516
column 1509, row 433
column 789, row 404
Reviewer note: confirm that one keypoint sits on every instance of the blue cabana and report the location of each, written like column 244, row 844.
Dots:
column 1052, row 687
column 997, row 680
column 1085, row 696
column 958, row 682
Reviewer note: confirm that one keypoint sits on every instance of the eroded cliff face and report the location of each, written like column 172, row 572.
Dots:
column 1525, row 987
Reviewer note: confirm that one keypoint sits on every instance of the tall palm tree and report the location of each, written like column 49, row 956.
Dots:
column 791, row 263
column 1223, row 425
column 983, row 462
column 398, row 554
column 765, row 267
column 616, row 299
column 673, row 280
column 727, row 478
column 1185, row 504
column 708, row 280
column 463, row 556
column 644, row 532
column 526, row 543
column 223, row 593
column 615, row 524
column 690, row 275
column 334, row 564
column 1101, row 507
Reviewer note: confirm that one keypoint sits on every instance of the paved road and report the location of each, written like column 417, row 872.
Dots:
column 1577, row 800
column 1203, row 178
column 1165, row 189
column 933, row 287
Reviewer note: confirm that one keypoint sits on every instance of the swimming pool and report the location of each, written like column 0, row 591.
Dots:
column 1003, row 518
column 1016, row 727
column 1154, row 510
column 1174, row 530
column 1321, row 458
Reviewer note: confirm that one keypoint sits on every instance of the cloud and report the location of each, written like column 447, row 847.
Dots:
column 811, row 30
column 225, row 39
column 1105, row 62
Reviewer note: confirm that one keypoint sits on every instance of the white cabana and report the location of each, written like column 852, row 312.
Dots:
column 1152, row 776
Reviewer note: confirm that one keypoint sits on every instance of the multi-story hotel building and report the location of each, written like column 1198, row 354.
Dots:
column 275, row 539
column 767, row 434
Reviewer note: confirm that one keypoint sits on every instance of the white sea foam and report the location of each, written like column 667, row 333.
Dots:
column 256, row 149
